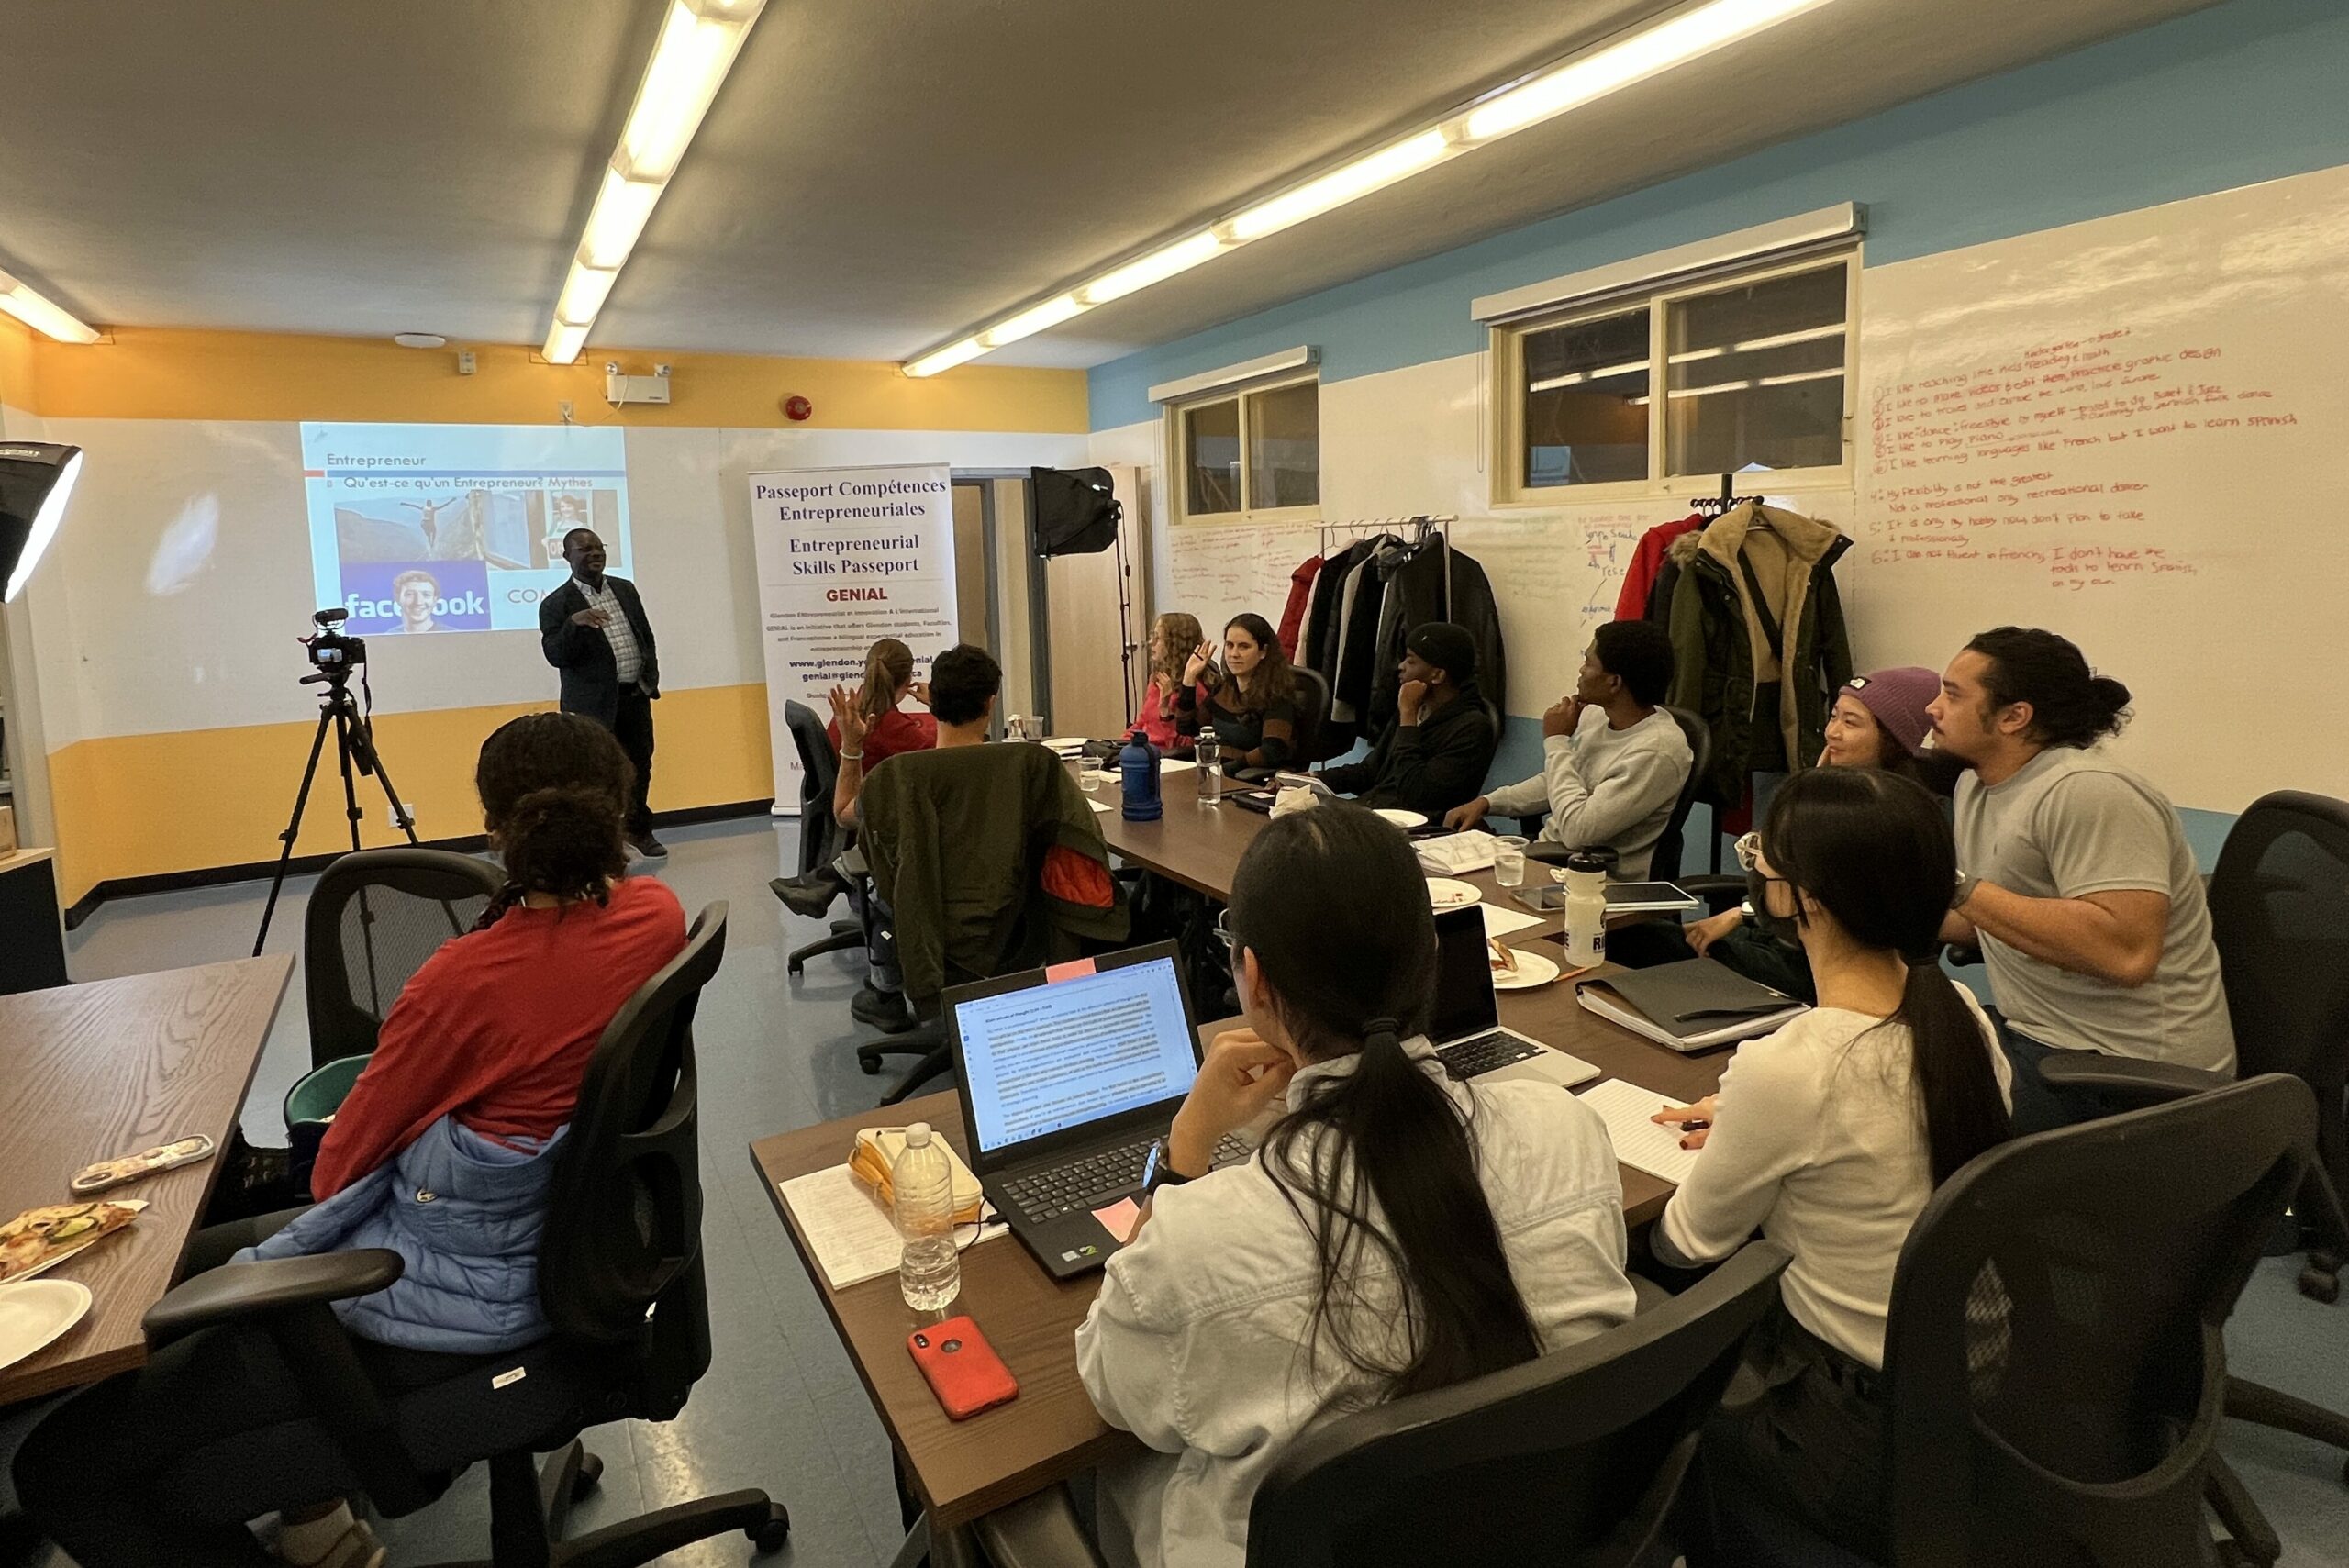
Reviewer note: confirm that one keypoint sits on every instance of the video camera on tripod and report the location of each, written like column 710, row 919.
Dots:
column 333, row 654
column 333, row 657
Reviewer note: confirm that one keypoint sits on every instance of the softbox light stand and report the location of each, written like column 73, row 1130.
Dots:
column 1076, row 512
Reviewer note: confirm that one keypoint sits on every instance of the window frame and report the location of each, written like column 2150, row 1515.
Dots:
column 1240, row 394
column 1505, row 383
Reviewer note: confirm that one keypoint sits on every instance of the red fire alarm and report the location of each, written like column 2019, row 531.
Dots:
column 797, row 409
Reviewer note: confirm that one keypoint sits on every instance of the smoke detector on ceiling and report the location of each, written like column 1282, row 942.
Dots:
column 419, row 339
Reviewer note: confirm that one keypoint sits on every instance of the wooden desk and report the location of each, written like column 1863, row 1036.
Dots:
column 1198, row 846
column 964, row 1470
column 87, row 1071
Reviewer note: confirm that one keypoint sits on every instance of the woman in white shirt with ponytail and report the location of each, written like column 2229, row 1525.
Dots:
column 1829, row 1135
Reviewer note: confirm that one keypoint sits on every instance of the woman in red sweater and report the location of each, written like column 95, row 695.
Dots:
column 492, row 1035
column 889, row 729
column 496, row 1028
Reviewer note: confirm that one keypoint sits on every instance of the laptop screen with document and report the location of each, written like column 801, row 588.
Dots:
column 1045, row 1057
column 1464, row 1003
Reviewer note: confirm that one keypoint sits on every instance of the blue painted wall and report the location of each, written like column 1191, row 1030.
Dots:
column 2248, row 91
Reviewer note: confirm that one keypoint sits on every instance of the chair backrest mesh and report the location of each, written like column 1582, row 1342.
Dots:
column 2279, row 911
column 374, row 918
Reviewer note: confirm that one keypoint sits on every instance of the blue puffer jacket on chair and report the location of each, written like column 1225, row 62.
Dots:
column 465, row 1214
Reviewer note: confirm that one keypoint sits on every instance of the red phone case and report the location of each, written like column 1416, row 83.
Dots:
column 962, row 1368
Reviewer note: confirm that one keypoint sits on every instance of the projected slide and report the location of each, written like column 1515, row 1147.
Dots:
column 456, row 527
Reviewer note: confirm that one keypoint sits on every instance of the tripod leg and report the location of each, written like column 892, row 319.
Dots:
column 346, row 722
column 374, row 760
column 293, row 828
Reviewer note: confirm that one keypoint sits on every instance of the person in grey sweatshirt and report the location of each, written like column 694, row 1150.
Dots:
column 1613, row 761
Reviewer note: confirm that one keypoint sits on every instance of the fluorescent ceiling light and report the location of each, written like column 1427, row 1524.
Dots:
column 622, row 205
column 1692, row 33
column 699, row 41
column 1618, row 65
column 1341, row 186
column 41, row 315
column 1027, row 323
column 565, row 341
column 1156, row 267
column 946, row 359
column 1756, row 380
column 1752, row 345
column 583, row 293
column 696, row 48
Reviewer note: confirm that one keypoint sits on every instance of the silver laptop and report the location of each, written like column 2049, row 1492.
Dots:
column 1466, row 1028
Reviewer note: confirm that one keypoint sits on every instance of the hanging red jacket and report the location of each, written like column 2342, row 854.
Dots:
column 1647, row 559
column 1300, row 595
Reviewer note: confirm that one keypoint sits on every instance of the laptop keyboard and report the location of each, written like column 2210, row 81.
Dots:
column 1484, row 1053
column 1091, row 1181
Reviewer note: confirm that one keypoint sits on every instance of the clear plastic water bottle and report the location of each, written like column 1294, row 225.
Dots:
column 1210, row 756
column 929, row 1270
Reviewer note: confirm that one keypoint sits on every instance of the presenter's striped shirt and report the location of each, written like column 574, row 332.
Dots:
column 618, row 631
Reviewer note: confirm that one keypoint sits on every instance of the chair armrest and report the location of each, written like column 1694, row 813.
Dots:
column 1039, row 1531
column 2126, row 1079
column 1960, row 956
column 1720, row 891
column 243, row 1291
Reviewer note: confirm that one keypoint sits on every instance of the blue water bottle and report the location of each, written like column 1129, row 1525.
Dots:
column 1139, row 762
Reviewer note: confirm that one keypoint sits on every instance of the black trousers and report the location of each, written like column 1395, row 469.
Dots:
column 1801, row 1434
column 632, row 727
column 167, row 1463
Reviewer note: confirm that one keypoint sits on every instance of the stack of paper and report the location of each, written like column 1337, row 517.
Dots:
column 1456, row 853
column 846, row 1226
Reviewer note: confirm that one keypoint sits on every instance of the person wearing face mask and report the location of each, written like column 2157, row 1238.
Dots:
column 1878, row 721
column 1830, row 1136
column 1250, row 702
column 1397, row 1231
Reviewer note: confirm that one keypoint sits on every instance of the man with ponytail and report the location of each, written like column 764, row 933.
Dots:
column 2078, row 881
column 1829, row 1135
column 442, row 1152
column 1398, row 1231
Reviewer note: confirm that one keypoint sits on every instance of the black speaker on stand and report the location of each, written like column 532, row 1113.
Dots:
column 1075, row 511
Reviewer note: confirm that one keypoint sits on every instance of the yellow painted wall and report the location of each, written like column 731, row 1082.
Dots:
column 17, row 365
column 145, row 372
column 140, row 805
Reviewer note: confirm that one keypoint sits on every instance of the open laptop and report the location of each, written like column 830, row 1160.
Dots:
column 1068, row 1075
column 1467, row 1028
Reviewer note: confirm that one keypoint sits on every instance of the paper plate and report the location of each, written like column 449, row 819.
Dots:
column 1068, row 742
column 1402, row 818
column 1175, row 764
column 35, row 1312
column 1450, row 893
column 1533, row 970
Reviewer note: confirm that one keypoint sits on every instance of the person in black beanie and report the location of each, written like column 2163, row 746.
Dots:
column 1434, row 755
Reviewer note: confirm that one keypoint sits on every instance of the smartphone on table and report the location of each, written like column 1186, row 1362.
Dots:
column 962, row 1368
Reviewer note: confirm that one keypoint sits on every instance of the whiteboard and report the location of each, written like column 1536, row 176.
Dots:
column 2130, row 431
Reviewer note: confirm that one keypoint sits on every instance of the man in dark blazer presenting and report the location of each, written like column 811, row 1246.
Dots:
column 593, row 629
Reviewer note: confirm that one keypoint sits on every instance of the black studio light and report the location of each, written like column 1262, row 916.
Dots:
column 36, row 481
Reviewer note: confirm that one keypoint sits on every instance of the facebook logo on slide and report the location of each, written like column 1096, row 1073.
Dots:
column 387, row 598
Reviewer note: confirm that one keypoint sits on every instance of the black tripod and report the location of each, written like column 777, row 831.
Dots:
column 354, row 744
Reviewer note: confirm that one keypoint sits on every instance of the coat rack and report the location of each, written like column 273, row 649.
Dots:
column 1420, row 526
column 1714, row 505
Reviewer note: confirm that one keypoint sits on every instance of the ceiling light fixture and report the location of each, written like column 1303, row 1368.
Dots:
column 1696, row 31
column 698, row 42
column 42, row 315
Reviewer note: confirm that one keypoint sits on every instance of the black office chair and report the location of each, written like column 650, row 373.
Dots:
column 2056, row 1353
column 621, row 1276
column 1312, row 719
column 1575, row 1458
column 373, row 919
column 821, row 837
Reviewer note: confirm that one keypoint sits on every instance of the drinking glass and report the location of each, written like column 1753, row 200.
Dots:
column 1509, row 860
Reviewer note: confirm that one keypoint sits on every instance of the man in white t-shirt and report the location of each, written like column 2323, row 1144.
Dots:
column 2074, row 875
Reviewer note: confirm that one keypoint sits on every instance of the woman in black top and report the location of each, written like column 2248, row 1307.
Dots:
column 1252, row 698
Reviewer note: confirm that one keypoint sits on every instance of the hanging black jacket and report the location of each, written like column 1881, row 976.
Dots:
column 1417, row 595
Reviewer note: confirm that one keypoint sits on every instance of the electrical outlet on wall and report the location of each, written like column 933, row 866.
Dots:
column 392, row 816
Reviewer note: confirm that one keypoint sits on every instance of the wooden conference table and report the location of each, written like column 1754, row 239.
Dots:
column 89, row 1071
column 962, row 1470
